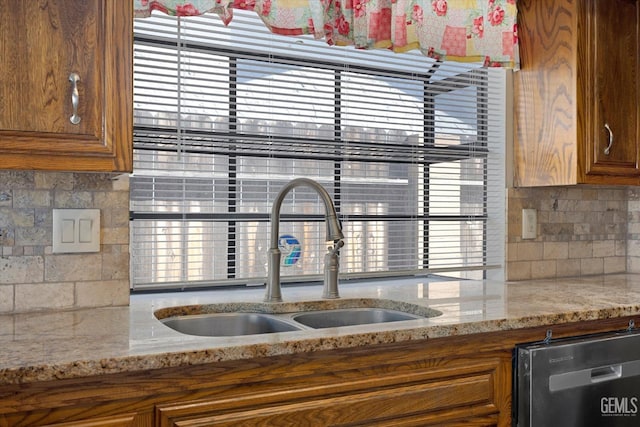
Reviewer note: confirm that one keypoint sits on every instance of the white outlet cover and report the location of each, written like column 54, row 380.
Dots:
column 529, row 223
column 76, row 230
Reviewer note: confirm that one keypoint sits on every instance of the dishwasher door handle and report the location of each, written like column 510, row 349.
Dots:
column 585, row 377
column 606, row 373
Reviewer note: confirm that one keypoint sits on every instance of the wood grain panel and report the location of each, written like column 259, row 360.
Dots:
column 52, row 40
column 127, row 420
column 359, row 408
column 611, row 86
column 545, row 94
column 375, row 391
column 44, row 41
column 579, row 72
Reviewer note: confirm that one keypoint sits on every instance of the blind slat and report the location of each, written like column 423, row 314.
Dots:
column 409, row 149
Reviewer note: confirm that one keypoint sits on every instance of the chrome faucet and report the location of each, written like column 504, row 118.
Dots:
column 334, row 233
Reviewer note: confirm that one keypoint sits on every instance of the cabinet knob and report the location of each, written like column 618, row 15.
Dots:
column 74, row 78
column 608, row 149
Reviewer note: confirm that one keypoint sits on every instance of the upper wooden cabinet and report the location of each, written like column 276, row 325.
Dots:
column 43, row 46
column 576, row 96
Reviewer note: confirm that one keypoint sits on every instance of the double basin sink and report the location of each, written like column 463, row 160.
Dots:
column 252, row 319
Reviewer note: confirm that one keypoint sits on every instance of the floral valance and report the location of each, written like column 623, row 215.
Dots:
column 458, row 30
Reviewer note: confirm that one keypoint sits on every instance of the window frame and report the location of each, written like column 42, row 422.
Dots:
column 431, row 90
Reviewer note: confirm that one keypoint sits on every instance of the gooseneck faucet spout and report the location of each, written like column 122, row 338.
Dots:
column 334, row 233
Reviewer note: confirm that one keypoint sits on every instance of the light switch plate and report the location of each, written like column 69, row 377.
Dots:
column 76, row 230
column 529, row 223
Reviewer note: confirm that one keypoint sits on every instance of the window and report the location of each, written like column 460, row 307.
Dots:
column 411, row 150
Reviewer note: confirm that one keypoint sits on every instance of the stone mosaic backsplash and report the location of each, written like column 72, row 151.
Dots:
column 32, row 277
column 581, row 231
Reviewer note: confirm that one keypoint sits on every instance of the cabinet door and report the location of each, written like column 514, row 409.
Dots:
column 438, row 403
column 49, row 41
column 113, row 421
column 612, row 91
column 434, row 395
column 65, row 84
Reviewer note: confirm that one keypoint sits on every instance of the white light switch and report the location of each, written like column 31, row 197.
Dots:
column 85, row 233
column 67, row 231
column 76, row 230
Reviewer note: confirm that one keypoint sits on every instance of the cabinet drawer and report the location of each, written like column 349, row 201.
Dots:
column 417, row 398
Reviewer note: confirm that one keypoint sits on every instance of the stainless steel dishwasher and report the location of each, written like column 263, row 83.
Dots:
column 583, row 381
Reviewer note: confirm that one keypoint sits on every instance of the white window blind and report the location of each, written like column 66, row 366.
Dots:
column 410, row 149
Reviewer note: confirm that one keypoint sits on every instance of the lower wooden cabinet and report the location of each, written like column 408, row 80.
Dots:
column 452, row 381
column 48, row 418
column 128, row 420
column 407, row 395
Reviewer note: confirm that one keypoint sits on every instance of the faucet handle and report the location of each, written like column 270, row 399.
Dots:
column 331, row 267
column 335, row 249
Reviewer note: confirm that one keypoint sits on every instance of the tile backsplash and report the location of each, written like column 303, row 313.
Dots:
column 31, row 276
column 581, row 230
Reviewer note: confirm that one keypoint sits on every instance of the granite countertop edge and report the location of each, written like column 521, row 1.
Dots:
column 37, row 356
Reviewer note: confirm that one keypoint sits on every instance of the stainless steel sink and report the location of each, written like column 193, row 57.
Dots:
column 351, row 317
column 253, row 318
column 229, row 324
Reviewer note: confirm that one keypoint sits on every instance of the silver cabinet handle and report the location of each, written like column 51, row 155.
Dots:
column 608, row 149
column 75, row 98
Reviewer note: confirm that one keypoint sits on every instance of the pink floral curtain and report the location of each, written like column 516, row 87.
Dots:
column 457, row 30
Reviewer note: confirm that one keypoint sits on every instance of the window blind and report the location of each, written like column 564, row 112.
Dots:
column 411, row 150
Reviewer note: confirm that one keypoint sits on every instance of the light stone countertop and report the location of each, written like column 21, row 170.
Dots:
column 69, row 344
